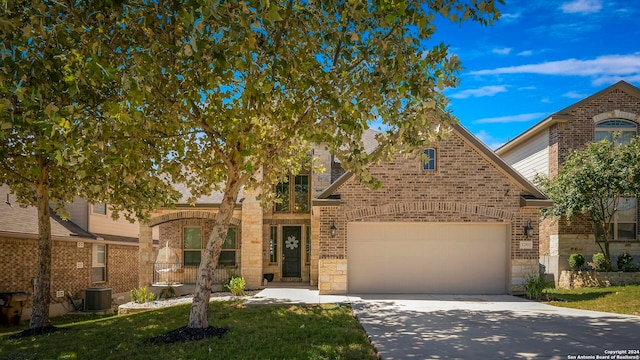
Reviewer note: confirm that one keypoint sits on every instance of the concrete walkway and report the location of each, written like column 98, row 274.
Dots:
column 294, row 295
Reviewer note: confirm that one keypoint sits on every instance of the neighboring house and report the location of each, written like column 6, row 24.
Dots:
column 542, row 150
column 460, row 223
column 97, row 252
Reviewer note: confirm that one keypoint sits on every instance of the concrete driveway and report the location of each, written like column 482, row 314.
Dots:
column 491, row 327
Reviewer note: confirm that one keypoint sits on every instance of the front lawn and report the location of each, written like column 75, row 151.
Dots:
column 255, row 332
column 614, row 299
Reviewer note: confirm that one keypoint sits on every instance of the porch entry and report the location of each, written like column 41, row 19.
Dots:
column 291, row 254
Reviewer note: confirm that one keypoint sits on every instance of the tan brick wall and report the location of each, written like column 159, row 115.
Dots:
column 560, row 240
column 333, row 276
column 18, row 261
column 465, row 188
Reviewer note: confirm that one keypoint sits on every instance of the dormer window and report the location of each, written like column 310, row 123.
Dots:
column 616, row 131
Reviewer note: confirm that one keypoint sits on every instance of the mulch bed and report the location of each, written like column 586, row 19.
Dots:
column 185, row 334
column 35, row 331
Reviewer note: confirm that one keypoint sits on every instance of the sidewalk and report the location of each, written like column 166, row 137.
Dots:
column 287, row 294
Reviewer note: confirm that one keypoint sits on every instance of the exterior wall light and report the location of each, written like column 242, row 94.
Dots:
column 528, row 229
column 333, row 229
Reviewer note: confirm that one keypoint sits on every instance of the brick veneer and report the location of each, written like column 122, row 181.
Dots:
column 465, row 188
column 18, row 266
column 559, row 240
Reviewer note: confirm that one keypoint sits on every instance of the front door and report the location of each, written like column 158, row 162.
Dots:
column 291, row 243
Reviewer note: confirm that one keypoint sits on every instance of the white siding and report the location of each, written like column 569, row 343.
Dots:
column 79, row 212
column 531, row 157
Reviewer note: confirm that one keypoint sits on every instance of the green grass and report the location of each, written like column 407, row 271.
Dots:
column 614, row 299
column 256, row 332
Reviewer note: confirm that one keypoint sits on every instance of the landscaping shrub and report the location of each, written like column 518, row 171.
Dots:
column 625, row 262
column 534, row 284
column 599, row 263
column 168, row 292
column 140, row 295
column 576, row 261
column 236, row 286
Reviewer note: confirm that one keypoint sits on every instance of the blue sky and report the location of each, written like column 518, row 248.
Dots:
column 540, row 57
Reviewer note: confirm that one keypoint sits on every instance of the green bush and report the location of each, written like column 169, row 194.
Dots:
column 625, row 262
column 236, row 286
column 141, row 296
column 576, row 261
column 534, row 284
column 168, row 292
column 599, row 262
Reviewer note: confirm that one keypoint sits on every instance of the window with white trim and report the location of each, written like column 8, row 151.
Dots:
column 99, row 263
column 615, row 130
column 429, row 161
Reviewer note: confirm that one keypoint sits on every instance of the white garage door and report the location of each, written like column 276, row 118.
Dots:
column 427, row 258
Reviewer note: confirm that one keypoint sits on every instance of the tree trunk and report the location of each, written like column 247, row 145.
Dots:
column 198, row 317
column 602, row 240
column 42, row 289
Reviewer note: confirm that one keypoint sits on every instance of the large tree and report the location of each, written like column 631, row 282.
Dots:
column 243, row 87
column 594, row 184
column 62, row 131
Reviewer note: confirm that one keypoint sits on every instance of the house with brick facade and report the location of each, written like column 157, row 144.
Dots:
column 542, row 150
column 463, row 222
column 92, row 250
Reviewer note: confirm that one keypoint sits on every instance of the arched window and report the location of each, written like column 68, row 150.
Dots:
column 622, row 130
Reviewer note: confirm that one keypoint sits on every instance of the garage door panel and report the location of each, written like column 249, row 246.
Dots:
column 433, row 258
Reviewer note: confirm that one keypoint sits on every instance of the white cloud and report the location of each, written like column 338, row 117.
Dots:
column 480, row 92
column 582, row 6
column 510, row 17
column 525, row 53
column 488, row 140
column 602, row 67
column 574, row 95
column 501, row 51
column 604, row 80
column 510, row 118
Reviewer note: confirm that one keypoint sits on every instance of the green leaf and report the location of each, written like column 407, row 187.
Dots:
column 272, row 15
column 50, row 109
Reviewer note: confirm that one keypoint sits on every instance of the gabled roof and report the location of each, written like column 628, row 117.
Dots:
column 564, row 114
column 533, row 198
column 21, row 221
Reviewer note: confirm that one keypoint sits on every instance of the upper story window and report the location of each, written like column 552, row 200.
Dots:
column 623, row 131
column 294, row 192
column 100, row 209
column 429, row 163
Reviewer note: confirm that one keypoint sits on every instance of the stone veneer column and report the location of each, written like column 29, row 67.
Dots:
column 146, row 255
column 251, row 242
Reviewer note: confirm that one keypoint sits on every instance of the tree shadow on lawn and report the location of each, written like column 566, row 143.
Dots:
column 578, row 297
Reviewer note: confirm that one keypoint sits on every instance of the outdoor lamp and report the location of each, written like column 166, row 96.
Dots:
column 333, row 229
column 528, row 228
